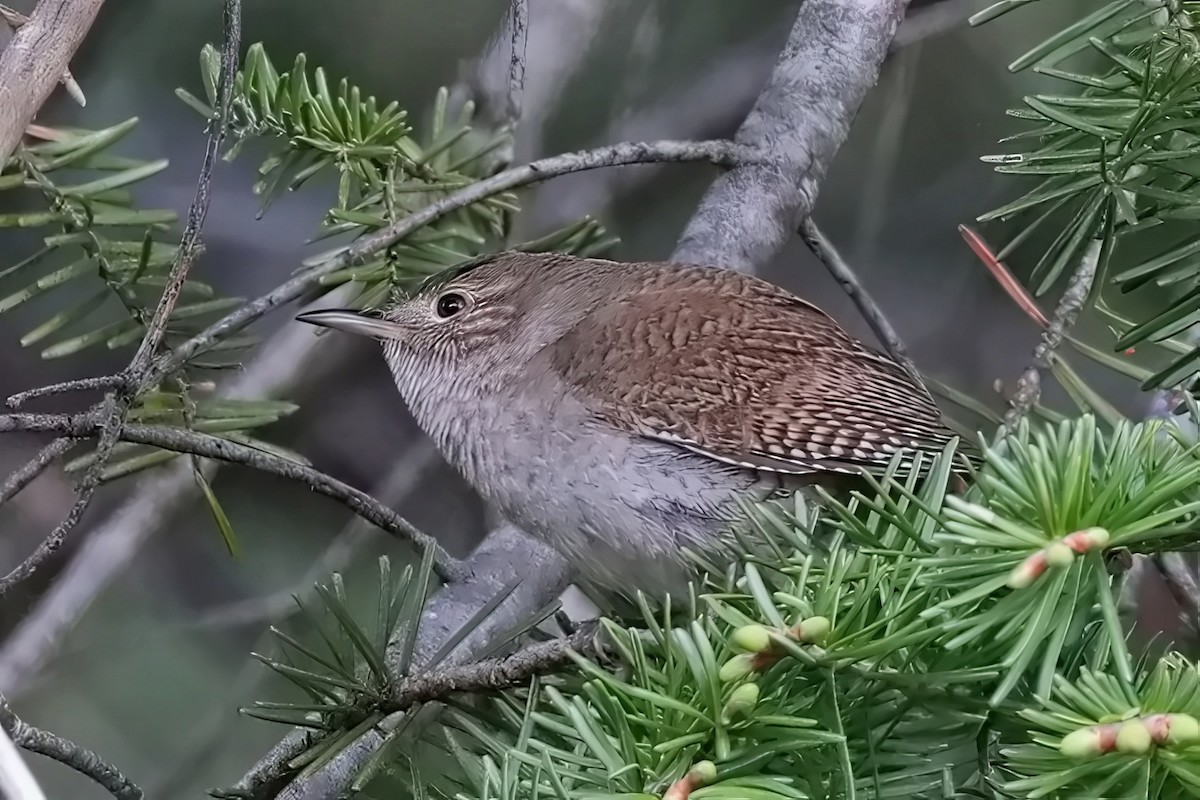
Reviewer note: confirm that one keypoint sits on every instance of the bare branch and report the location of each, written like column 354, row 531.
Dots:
column 36, row 466
column 519, row 23
column 716, row 152
column 1029, row 385
column 293, row 351
column 830, row 62
column 36, row 60
column 206, row 445
column 78, row 758
column 844, row 275
column 111, row 414
column 494, row 674
column 80, row 385
column 190, row 245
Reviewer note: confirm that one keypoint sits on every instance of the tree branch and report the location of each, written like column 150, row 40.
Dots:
column 113, row 411
column 78, row 758
column 1029, row 385
column 716, row 152
column 844, row 275
column 35, row 61
column 180, row 440
column 293, row 351
column 831, row 60
column 36, row 466
column 849, row 40
column 519, row 23
column 493, row 674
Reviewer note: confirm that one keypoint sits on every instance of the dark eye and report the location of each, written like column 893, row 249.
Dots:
column 450, row 303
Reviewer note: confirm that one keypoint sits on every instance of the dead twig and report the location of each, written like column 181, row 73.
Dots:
column 844, row 275
column 78, row 758
column 181, row 440
column 112, row 413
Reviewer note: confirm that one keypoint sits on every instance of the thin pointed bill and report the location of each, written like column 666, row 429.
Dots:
column 350, row 321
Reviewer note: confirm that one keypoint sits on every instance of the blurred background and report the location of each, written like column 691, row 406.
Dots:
column 154, row 670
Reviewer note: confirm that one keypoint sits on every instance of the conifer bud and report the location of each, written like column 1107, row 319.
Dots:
column 702, row 773
column 752, row 638
column 740, row 703
column 737, row 668
column 1089, row 742
column 1059, row 555
column 1134, row 738
column 1087, row 539
column 812, row 630
column 1028, row 571
column 1183, row 729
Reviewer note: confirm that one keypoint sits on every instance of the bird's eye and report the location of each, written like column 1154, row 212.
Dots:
column 450, row 303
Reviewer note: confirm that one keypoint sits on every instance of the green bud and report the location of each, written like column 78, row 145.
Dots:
column 1184, row 729
column 754, row 638
column 702, row 773
column 740, row 703
column 1081, row 744
column 1100, row 537
column 813, row 630
column 1134, row 738
column 1059, row 555
column 737, row 668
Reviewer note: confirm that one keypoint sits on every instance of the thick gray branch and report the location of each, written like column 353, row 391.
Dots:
column 831, row 60
column 36, row 59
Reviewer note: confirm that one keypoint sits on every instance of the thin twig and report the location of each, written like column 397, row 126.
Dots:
column 844, row 275
column 493, row 674
column 519, row 20
column 180, row 440
column 35, row 466
column 78, row 758
column 79, row 385
column 1029, row 385
column 190, row 245
column 35, row 61
column 290, row 353
column 718, row 152
column 114, row 410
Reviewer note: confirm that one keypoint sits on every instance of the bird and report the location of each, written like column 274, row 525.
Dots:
column 625, row 412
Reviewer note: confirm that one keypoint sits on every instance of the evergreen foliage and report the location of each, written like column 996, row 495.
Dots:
column 908, row 641
column 903, row 642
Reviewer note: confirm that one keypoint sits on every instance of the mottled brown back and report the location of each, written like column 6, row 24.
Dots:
column 737, row 369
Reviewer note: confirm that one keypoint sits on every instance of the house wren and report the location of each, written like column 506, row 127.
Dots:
column 620, row 411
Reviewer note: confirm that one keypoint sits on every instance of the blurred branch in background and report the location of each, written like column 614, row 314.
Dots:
column 36, row 60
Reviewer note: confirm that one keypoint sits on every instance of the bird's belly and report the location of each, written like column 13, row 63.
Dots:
column 622, row 508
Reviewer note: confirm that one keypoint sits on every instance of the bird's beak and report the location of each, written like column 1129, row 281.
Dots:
column 350, row 321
